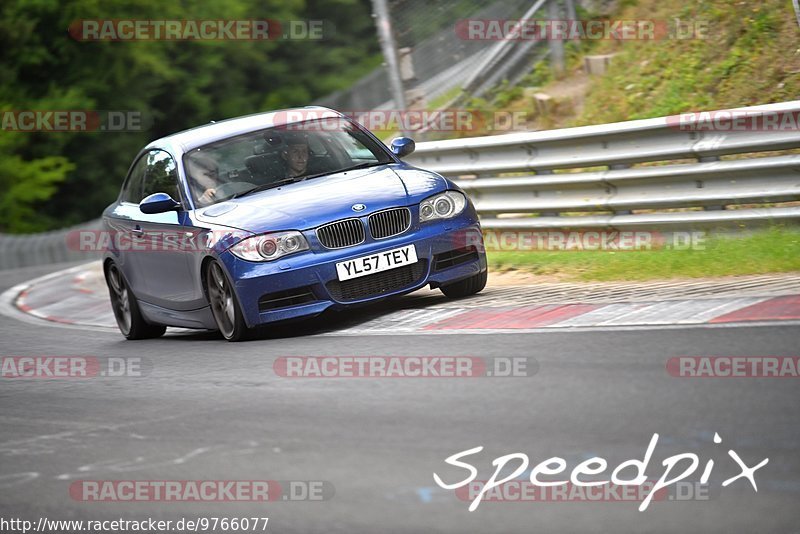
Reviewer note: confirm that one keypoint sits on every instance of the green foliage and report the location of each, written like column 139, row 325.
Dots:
column 540, row 75
column 57, row 179
column 747, row 56
column 26, row 183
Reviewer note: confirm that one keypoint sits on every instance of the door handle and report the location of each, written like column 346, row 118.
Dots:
column 137, row 231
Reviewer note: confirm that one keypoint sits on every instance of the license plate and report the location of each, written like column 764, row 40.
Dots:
column 376, row 263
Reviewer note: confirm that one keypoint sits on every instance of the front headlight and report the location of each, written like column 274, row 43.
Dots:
column 442, row 206
column 268, row 247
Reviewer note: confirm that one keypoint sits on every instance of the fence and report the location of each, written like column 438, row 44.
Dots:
column 442, row 60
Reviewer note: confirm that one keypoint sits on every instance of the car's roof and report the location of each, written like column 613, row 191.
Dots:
column 208, row 133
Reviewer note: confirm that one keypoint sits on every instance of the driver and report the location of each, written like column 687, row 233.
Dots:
column 295, row 155
column 205, row 173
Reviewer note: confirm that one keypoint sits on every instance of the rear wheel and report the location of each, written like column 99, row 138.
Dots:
column 126, row 308
column 224, row 304
column 466, row 287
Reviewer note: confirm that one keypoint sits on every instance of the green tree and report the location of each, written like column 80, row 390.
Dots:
column 56, row 179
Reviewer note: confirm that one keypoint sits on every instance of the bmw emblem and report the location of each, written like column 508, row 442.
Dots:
column 359, row 207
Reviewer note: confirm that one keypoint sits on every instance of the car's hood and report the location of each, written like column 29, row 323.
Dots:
column 311, row 203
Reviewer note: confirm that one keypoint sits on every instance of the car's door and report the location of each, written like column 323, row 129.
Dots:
column 167, row 251
column 124, row 226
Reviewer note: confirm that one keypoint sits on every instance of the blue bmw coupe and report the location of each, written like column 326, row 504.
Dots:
column 278, row 216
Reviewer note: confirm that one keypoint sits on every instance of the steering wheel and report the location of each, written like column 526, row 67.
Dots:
column 231, row 188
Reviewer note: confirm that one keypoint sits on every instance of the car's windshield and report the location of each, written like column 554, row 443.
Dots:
column 267, row 158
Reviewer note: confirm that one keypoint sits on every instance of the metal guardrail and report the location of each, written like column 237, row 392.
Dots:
column 557, row 184
column 585, row 197
column 45, row 248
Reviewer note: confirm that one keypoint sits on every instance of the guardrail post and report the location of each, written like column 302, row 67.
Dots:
column 571, row 13
column 556, row 45
column 386, row 35
column 613, row 189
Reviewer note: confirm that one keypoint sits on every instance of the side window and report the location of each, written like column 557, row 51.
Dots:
column 161, row 175
column 133, row 185
column 354, row 149
column 353, row 143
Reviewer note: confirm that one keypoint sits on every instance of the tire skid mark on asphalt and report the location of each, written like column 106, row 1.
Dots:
column 16, row 479
column 145, row 463
column 63, row 438
column 48, row 444
column 138, row 463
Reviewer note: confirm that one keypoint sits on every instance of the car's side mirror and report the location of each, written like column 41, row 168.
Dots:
column 158, row 203
column 403, row 146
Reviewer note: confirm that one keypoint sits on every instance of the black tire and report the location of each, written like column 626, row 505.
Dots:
column 126, row 307
column 224, row 304
column 468, row 286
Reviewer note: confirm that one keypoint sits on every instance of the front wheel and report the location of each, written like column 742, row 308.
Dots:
column 224, row 304
column 466, row 287
column 126, row 308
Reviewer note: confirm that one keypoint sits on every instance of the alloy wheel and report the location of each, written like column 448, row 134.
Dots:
column 120, row 299
column 220, row 295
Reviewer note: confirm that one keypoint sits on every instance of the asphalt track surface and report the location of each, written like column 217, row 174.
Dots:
column 210, row 410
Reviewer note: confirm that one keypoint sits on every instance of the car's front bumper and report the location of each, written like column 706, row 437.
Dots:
column 306, row 284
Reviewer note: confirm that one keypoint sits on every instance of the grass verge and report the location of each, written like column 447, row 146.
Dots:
column 772, row 250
